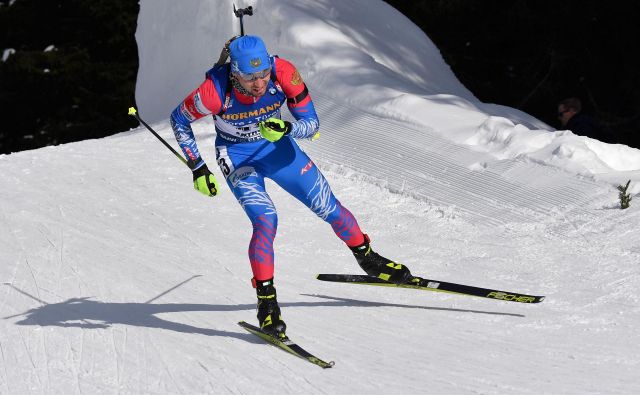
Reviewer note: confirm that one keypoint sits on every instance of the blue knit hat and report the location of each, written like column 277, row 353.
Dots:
column 249, row 55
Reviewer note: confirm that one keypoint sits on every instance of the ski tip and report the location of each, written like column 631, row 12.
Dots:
column 527, row 299
column 320, row 362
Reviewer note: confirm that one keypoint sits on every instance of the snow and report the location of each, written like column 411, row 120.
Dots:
column 117, row 277
column 6, row 53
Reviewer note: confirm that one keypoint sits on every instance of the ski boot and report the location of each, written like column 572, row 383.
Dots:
column 379, row 266
column 269, row 316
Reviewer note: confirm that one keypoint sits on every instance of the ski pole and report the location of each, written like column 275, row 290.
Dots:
column 240, row 13
column 134, row 112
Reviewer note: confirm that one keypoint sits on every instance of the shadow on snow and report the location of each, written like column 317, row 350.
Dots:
column 92, row 314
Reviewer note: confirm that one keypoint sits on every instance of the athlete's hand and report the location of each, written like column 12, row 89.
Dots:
column 204, row 181
column 273, row 129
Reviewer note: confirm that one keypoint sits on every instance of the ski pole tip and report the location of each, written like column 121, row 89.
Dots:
column 132, row 111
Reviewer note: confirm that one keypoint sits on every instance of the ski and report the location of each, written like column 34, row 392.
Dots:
column 287, row 345
column 434, row 285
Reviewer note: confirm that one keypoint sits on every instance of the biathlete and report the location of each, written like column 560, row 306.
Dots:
column 245, row 97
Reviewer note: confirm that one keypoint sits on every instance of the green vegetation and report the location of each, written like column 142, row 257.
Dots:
column 625, row 198
column 79, row 87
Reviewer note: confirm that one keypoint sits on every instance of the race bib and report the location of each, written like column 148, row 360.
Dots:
column 226, row 166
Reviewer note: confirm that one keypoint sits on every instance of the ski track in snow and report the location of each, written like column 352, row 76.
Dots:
column 441, row 337
column 461, row 344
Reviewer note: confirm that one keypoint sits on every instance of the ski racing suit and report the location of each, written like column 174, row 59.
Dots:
column 246, row 158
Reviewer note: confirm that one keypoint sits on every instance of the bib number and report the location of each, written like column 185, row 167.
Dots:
column 226, row 166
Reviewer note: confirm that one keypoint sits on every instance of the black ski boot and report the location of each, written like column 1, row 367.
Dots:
column 379, row 266
column 269, row 316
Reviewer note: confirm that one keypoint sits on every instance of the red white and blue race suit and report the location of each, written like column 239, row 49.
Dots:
column 245, row 158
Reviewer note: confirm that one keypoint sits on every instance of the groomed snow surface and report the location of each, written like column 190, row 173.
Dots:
column 117, row 277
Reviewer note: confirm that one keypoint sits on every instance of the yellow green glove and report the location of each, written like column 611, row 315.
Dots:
column 273, row 129
column 205, row 182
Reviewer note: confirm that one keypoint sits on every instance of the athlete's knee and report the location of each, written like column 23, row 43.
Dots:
column 261, row 245
column 264, row 224
column 253, row 198
column 340, row 215
column 321, row 199
column 264, row 228
column 335, row 214
column 345, row 226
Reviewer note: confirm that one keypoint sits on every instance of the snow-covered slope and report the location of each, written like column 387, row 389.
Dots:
column 116, row 277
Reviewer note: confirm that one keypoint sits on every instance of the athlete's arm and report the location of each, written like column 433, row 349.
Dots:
column 299, row 103
column 202, row 101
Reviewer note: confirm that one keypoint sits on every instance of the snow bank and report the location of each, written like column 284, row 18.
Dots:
column 368, row 55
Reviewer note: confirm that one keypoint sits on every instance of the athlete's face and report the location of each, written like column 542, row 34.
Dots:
column 257, row 87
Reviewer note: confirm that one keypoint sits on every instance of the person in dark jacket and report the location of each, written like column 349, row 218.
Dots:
column 572, row 118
